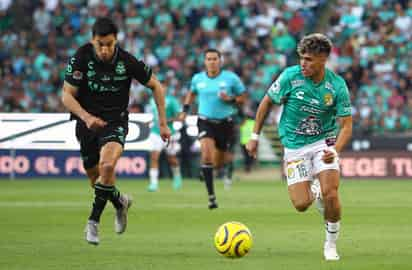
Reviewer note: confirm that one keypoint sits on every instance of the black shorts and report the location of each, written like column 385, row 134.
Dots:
column 222, row 131
column 91, row 141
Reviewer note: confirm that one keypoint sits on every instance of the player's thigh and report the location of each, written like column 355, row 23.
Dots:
column 110, row 153
column 207, row 147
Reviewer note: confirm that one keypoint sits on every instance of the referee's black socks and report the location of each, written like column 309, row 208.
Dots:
column 207, row 171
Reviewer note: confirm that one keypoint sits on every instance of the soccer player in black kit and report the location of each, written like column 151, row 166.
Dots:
column 96, row 92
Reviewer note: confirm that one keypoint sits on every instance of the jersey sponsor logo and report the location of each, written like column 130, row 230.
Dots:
column 105, row 78
column 310, row 126
column 120, row 78
column 222, row 84
column 77, row 75
column 347, row 109
column 311, row 110
column 300, row 94
column 201, row 85
column 120, row 68
column 297, row 83
column 328, row 99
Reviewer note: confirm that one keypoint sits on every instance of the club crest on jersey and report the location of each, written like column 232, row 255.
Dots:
column 120, row 68
column 328, row 99
column 77, row 75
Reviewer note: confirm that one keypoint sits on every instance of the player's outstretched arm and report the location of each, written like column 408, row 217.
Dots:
column 159, row 97
column 263, row 109
column 70, row 102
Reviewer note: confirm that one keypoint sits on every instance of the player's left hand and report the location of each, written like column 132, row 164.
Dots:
column 165, row 133
column 329, row 155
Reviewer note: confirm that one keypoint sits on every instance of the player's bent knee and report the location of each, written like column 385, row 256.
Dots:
column 330, row 195
column 301, row 206
column 106, row 168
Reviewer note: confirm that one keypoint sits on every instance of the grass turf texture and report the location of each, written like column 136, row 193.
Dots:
column 42, row 222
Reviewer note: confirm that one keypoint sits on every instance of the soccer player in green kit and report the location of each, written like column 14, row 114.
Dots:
column 313, row 98
column 172, row 108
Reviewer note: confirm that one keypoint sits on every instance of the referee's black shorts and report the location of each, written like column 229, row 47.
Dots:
column 221, row 130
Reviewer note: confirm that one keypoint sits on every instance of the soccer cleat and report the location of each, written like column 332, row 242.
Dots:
column 329, row 252
column 120, row 220
column 212, row 205
column 317, row 193
column 92, row 232
column 152, row 187
column 177, row 182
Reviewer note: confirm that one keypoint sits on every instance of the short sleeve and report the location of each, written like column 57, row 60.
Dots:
column 238, row 86
column 140, row 71
column 343, row 105
column 193, row 87
column 75, row 72
column 279, row 90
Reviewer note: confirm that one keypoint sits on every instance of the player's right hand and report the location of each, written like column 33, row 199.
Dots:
column 251, row 148
column 165, row 133
column 181, row 117
column 95, row 123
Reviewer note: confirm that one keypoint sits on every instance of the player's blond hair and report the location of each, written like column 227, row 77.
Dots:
column 315, row 43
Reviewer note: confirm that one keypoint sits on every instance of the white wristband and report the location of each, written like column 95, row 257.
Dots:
column 254, row 136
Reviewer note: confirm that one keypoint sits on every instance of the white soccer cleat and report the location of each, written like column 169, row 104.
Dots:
column 92, row 232
column 329, row 252
column 120, row 219
column 317, row 193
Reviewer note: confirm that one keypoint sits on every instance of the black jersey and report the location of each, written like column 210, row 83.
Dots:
column 103, row 87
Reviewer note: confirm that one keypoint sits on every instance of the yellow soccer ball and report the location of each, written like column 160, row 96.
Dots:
column 233, row 240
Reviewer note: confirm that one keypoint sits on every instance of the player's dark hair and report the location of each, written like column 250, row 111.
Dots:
column 315, row 44
column 211, row 50
column 104, row 26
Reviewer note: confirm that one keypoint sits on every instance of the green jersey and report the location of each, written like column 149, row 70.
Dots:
column 172, row 108
column 309, row 110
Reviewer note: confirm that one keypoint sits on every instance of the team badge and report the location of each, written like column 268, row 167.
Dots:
column 328, row 99
column 77, row 75
column 120, row 68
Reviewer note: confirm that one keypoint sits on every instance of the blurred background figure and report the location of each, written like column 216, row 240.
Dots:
column 171, row 148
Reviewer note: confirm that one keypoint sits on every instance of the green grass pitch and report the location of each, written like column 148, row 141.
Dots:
column 42, row 222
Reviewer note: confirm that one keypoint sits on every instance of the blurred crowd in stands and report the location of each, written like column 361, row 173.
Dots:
column 258, row 39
